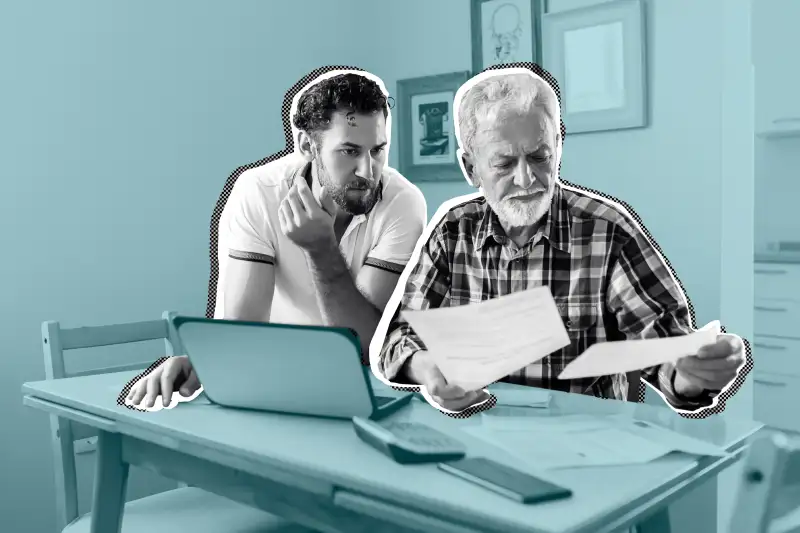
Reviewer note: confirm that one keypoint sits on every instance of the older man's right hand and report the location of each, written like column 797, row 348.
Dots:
column 174, row 373
column 424, row 371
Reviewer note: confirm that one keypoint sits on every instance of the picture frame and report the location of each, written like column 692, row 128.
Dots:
column 598, row 56
column 505, row 31
column 426, row 127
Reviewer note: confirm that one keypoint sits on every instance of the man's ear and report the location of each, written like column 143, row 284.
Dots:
column 468, row 167
column 305, row 145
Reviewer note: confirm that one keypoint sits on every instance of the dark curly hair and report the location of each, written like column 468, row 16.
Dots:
column 344, row 92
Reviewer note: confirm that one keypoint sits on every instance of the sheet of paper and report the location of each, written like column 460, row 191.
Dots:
column 521, row 397
column 477, row 344
column 595, row 447
column 675, row 441
column 618, row 357
column 584, row 440
column 514, row 419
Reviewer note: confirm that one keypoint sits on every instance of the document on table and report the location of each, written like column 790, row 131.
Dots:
column 520, row 396
column 477, row 344
column 584, row 442
column 617, row 357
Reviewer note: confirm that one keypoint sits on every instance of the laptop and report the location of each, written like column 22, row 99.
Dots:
column 286, row 368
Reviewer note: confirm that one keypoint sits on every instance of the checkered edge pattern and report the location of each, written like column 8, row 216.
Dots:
column 491, row 402
column 127, row 388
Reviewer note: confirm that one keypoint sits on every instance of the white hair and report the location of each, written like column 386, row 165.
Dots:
column 499, row 94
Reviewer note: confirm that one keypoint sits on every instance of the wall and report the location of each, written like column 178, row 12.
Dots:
column 425, row 38
column 121, row 123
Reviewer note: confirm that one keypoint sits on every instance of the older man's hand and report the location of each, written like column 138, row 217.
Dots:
column 424, row 371
column 713, row 368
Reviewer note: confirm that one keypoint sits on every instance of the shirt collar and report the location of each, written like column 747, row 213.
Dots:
column 554, row 226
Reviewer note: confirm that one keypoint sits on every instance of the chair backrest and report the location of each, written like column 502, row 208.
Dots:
column 55, row 341
column 768, row 499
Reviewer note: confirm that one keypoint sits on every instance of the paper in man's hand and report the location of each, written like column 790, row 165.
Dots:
column 617, row 357
column 477, row 344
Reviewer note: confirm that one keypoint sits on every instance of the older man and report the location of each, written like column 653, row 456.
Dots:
column 528, row 230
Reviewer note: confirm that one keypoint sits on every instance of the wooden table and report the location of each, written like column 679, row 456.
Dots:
column 318, row 473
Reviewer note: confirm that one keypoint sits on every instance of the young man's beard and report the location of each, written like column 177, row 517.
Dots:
column 359, row 205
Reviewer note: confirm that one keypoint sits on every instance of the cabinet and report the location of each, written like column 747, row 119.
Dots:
column 776, row 345
column 776, row 43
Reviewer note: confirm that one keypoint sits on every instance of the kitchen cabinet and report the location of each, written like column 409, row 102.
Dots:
column 776, row 43
column 776, row 344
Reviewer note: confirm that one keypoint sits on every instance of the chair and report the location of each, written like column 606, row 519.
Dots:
column 768, row 499
column 181, row 509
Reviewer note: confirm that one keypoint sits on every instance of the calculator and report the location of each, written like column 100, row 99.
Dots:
column 409, row 442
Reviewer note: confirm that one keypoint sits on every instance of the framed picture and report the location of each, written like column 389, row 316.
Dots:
column 597, row 54
column 426, row 127
column 505, row 31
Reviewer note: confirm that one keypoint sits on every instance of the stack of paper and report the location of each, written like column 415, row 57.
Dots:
column 550, row 443
column 477, row 344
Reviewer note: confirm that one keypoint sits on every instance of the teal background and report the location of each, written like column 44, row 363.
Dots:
column 121, row 122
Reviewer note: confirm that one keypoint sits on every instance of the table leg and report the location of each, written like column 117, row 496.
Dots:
column 110, row 484
column 656, row 523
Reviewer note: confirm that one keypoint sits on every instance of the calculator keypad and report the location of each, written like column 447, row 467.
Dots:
column 422, row 435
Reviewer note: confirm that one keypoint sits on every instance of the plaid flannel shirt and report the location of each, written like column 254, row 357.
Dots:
column 607, row 279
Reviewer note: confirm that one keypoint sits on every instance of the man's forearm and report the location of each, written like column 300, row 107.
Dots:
column 340, row 302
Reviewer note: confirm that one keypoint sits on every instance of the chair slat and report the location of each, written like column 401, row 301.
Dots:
column 90, row 337
column 108, row 369
column 789, row 523
column 769, row 494
column 64, row 433
column 791, row 469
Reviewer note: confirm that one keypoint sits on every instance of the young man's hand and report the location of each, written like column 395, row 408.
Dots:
column 305, row 221
column 174, row 373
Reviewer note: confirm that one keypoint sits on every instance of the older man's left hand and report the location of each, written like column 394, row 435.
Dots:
column 714, row 366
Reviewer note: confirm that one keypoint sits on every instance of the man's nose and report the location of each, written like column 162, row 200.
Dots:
column 364, row 169
column 523, row 177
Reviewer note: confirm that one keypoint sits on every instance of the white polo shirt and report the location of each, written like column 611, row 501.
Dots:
column 384, row 238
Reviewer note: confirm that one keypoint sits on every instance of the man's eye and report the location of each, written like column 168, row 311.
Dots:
column 349, row 151
column 541, row 158
column 507, row 164
column 378, row 150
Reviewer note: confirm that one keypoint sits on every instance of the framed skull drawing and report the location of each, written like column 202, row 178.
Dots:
column 505, row 31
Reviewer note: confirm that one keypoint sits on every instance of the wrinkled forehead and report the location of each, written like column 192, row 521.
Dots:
column 530, row 128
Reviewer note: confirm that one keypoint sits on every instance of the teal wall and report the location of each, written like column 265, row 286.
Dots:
column 121, row 121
